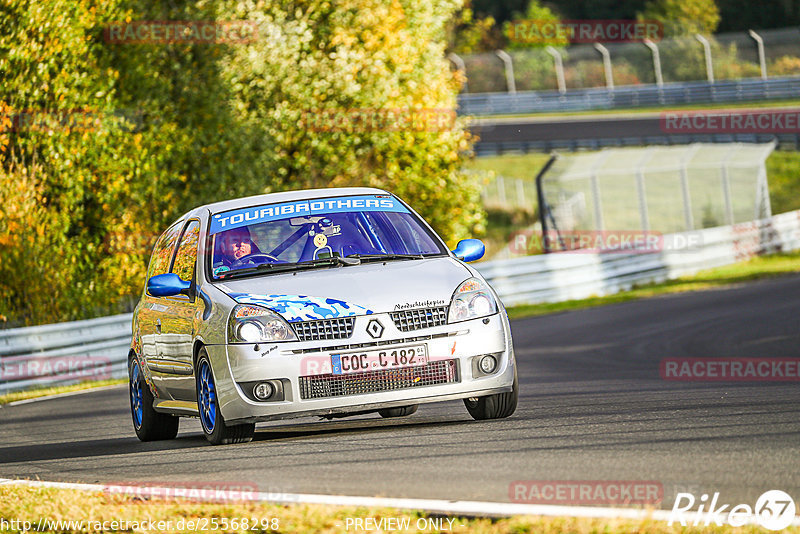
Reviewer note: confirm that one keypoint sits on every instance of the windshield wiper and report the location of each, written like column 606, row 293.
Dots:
column 283, row 267
column 383, row 257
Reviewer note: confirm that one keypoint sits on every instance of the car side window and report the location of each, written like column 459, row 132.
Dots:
column 186, row 256
column 162, row 253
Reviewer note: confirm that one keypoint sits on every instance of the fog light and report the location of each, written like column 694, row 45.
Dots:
column 488, row 364
column 263, row 390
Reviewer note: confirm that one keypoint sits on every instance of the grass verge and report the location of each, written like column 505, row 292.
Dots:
column 34, row 504
column 754, row 269
column 44, row 392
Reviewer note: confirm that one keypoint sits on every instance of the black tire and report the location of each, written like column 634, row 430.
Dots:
column 494, row 406
column 402, row 411
column 214, row 427
column 148, row 423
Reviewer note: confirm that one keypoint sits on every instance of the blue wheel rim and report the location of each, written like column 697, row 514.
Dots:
column 137, row 402
column 207, row 397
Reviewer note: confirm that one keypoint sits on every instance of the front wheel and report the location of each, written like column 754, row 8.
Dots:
column 148, row 423
column 495, row 406
column 214, row 427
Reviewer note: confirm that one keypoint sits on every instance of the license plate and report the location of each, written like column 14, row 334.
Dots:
column 378, row 360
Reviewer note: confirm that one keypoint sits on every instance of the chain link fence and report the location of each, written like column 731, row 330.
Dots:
column 658, row 189
column 767, row 53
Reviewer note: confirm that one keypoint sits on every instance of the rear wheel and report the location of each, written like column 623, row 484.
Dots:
column 148, row 423
column 495, row 406
column 214, row 427
column 402, row 411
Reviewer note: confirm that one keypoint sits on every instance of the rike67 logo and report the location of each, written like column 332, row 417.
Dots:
column 774, row 510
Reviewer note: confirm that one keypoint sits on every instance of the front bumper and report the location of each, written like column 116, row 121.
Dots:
column 456, row 347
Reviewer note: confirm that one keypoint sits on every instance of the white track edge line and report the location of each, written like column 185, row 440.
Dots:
column 468, row 508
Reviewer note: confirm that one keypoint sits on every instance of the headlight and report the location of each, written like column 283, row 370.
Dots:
column 254, row 324
column 471, row 300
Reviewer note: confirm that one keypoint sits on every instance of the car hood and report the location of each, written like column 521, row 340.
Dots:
column 352, row 290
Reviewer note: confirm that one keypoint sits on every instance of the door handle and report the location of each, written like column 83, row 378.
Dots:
column 158, row 326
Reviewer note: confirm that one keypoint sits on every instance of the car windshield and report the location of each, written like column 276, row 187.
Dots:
column 303, row 234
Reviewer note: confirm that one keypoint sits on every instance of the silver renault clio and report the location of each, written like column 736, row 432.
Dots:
column 327, row 302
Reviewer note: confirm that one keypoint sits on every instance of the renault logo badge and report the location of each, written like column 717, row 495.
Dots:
column 375, row 329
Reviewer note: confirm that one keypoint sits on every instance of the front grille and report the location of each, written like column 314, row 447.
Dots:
column 323, row 329
column 408, row 320
column 326, row 386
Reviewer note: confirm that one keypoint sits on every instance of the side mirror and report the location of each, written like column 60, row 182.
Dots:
column 168, row 285
column 469, row 250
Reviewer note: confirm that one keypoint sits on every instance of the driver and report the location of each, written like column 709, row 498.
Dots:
column 236, row 244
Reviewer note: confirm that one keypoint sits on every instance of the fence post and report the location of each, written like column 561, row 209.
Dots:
column 762, row 60
column 644, row 216
column 559, row 64
column 606, row 64
column 688, row 216
column 459, row 63
column 656, row 61
column 726, row 183
column 501, row 190
column 595, row 185
column 707, row 52
column 508, row 64
column 521, row 194
column 544, row 209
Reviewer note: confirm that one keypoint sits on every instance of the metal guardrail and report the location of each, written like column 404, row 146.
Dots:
column 652, row 95
column 98, row 348
column 785, row 141
column 64, row 353
column 578, row 274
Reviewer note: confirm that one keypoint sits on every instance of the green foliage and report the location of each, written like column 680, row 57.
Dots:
column 358, row 55
column 683, row 17
column 82, row 199
column 523, row 29
column 469, row 34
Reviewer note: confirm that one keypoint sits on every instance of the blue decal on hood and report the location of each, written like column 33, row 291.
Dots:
column 302, row 307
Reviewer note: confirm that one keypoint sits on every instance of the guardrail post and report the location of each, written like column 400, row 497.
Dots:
column 606, row 64
column 460, row 65
column 762, row 60
column 508, row 64
column 559, row 65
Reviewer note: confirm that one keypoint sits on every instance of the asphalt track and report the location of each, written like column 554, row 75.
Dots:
column 592, row 407
column 597, row 131
column 569, row 128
